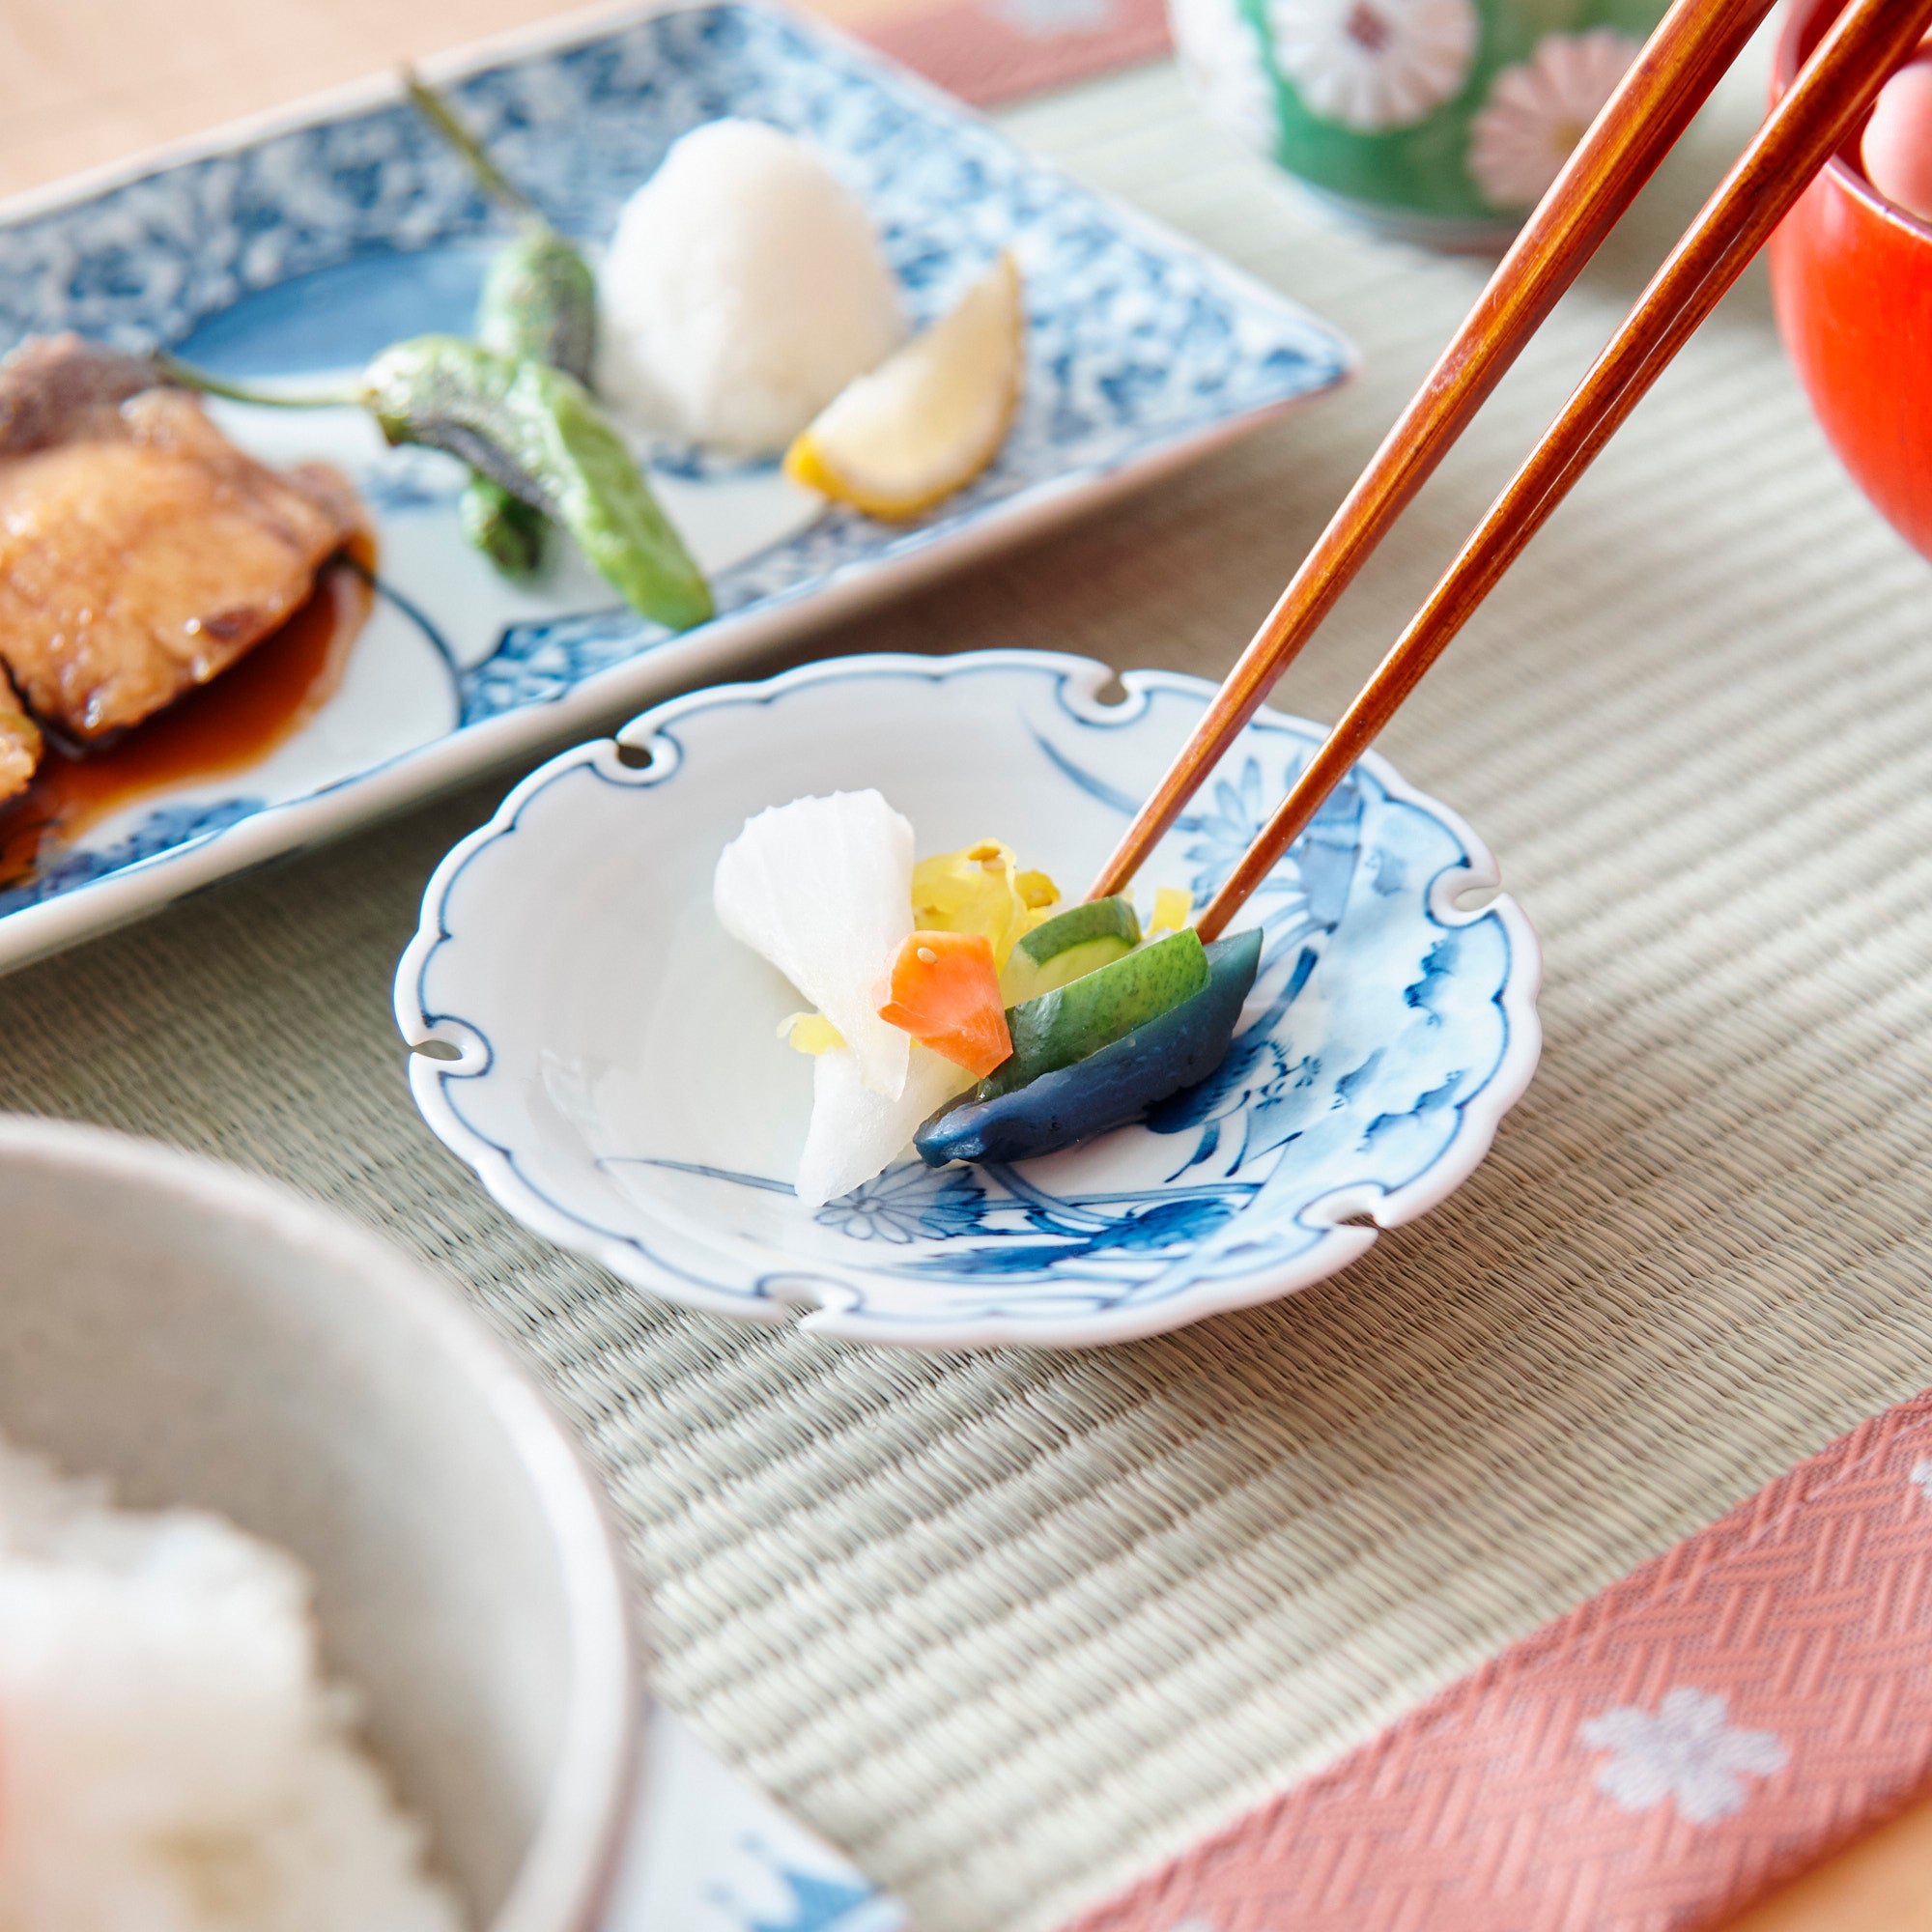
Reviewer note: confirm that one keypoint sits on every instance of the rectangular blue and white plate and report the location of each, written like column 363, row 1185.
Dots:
column 306, row 244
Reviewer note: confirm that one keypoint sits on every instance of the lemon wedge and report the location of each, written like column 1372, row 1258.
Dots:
column 929, row 417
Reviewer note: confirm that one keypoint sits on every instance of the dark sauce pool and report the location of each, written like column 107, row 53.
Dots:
column 226, row 725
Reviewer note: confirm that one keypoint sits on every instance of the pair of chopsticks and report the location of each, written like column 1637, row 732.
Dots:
column 1671, row 79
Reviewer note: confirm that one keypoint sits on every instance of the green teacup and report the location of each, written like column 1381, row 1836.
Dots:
column 1441, row 119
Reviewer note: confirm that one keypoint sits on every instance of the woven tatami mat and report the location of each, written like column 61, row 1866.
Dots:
column 1010, row 1626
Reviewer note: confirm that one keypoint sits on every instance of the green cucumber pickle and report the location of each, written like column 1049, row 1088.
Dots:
column 1172, row 1051
column 1086, row 1014
column 1071, row 944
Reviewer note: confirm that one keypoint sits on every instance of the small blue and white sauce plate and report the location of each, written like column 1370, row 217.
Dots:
column 611, row 1063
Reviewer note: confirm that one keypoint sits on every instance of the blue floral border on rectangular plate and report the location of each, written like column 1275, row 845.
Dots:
column 1143, row 349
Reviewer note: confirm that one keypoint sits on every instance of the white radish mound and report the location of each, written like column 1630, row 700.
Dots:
column 171, row 1758
column 822, row 888
column 856, row 1133
column 744, row 287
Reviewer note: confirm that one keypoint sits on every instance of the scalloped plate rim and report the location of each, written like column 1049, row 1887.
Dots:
column 827, row 1314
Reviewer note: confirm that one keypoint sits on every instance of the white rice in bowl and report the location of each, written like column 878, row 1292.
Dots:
column 171, row 1757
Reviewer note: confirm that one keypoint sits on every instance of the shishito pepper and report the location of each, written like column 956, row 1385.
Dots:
column 541, row 435
column 1109, row 1088
column 534, row 430
column 538, row 305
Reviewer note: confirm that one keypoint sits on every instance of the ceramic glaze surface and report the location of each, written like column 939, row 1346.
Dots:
column 618, row 1083
column 1441, row 119
column 1850, row 279
column 196, row 1337
column 297, row 255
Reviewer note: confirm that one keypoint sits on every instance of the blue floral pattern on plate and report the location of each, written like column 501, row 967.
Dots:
column 619, row 1090
column 312, row 246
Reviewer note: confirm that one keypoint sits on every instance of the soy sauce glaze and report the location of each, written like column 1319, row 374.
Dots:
column 226, row 725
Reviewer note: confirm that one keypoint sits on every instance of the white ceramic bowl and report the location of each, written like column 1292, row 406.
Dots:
column 199, row 1337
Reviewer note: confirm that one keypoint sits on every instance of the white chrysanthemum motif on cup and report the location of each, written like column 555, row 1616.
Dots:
column 1372, row 65
column 1686, row 1751
column 1539, row 109
column 1221, row 54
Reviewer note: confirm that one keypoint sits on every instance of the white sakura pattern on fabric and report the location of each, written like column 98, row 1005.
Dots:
column 1921, row 1475
column 1686, row 1751
column 1221, row 55
column 1538, row 111
column 1374, row 65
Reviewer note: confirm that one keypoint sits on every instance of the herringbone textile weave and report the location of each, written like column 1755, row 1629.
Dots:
column 1651, row 1762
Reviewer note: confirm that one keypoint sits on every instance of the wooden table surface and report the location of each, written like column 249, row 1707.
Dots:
column 87, row 82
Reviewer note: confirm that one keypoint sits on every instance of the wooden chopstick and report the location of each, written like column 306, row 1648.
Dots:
column 1837, row 84
column 1666, row 84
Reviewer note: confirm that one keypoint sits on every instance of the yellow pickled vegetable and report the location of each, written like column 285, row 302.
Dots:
column 980, row 888
column 809, row 1033
column 1172, row 910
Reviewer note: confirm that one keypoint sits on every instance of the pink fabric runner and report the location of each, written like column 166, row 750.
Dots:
column 1671, row 1750
column 989, row 50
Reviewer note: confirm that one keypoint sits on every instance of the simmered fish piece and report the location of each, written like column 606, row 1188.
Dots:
column 19, row 746
column 141, row 553
column 55, row 387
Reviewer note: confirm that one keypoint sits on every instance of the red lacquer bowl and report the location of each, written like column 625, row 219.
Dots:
column 1851, row 278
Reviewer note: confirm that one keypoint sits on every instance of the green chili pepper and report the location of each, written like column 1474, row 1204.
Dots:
column 512, row 535
column 539, row 305
column 532, row 429
column 540, row 433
